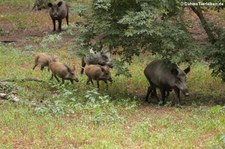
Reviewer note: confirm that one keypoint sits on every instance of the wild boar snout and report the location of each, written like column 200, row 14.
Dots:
column 185, row 92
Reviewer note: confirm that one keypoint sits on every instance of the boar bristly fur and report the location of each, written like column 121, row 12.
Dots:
column 58, row 11
column 97, row 72
column 44, row 60
column 63, row 71
column 166, row 76
column 96, row 58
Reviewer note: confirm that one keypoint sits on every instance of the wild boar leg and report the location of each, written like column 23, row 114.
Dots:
column 148, row 93
column 63, row 80
column 52, row 77
column 42, row 67
column 88, row 81
column 56, row 78
column 98, row 84
column 83, row 65
column 106, row 84
column 60, row 25
column 35, row 66
column 163, row 93
column 167, row 93
column 177, row 91
column 71, row 80
column 67, row 19
column 53, row 21
column 91, row 81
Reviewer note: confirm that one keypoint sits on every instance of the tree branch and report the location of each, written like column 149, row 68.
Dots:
column 197, row 10
column 23, row 80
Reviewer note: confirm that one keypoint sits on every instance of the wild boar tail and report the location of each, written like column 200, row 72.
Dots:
column 82, row 65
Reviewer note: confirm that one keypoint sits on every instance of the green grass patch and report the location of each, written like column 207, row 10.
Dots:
column 18, row 2
column 50, row 115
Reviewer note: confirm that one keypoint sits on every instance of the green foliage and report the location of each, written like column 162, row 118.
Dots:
column 68, row 101
column 51, row 39
column 6, row 87
column 217, row 109
column 41, row 4
column 55, row 115
column 3, row 32
column 216, row 54
column 128, row 28
column 121, row 68
column 221, row 139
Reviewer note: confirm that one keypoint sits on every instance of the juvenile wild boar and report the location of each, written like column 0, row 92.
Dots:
column 166, row 76
column 100, row 58
column 97, row 72
column 40, row 4
column 63, row 71
column 58, row 11
column 44, row 60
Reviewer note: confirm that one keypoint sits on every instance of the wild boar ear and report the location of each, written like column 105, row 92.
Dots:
column 174, row 71
column 59, row 4
column 49, row 4
column 187, row 70
column 102, row 68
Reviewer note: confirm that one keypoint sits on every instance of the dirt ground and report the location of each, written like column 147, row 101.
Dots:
column 22, row 27
column 26, row 27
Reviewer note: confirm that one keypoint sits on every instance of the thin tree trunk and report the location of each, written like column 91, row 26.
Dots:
column 197, row 10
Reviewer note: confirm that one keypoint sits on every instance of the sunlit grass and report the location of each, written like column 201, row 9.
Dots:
column 120, row 121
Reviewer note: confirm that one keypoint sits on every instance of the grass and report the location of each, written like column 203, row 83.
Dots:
column 54, row 116
column 50, row 115
column 17, row 2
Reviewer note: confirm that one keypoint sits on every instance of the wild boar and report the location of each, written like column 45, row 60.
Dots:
column 100, row 58
column 63, row 71
column 166, row 76
column 58, row 11
column 97, row 72
column 40, row 4
column 44, row 60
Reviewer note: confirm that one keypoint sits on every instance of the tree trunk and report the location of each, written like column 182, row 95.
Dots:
column 197, row 10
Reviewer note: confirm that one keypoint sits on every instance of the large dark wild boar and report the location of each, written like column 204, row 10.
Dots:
column 58, row 11
column 63, row 71
column 97, row 72
column 166, row 76
column 100, row 58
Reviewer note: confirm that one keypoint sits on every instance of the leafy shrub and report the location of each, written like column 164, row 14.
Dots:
column 128, row 28
column 7, row 87
column 221, row 139
column 100, row 108
column 50, row 39
column 216, row 54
